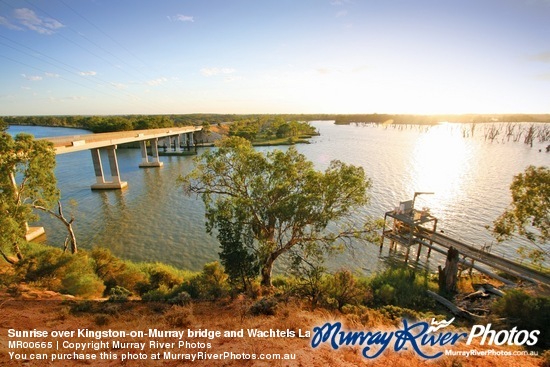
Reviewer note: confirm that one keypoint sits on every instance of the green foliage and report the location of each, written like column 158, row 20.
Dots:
column 181, row 299
column 529, row 212
column 83, row 285
column 278, row 196
column 526, row 312
column 239, row 263
column 311, row 278
column 159, row 277
column 269, row 127
column 211, row 283
column 119, row 294
column 26, row 178
column 400, row 287
column 397, row 314
column 3, row 124
column 69, row 274
column 345, row 289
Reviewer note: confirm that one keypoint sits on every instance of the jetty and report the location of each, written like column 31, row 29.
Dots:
column 408, row 227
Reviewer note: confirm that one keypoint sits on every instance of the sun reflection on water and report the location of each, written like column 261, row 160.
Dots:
column 441, row 163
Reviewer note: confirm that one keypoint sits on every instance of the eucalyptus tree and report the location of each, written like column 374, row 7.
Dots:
column 278, row 199
column 529, row 212
column 27, row 182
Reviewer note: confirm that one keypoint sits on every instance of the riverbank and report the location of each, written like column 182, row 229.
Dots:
column 71, row 316
column 278, row 323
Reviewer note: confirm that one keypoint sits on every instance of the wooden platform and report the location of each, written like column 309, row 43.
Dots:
column 408, row 231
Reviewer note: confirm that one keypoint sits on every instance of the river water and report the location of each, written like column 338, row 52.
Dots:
column 152, row 220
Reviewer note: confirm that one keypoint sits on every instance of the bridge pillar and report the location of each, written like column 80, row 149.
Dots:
column 101, row 184
column 191, row 142
column 184, row 141
column 154, row 152
column 178, row 143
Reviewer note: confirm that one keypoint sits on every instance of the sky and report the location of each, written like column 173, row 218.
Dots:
column 106, row 57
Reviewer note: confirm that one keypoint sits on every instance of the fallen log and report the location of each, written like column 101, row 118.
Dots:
column 455, row 310
column 481, row 293
column 491, row 289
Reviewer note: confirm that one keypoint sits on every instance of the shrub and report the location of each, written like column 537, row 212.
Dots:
column 60, row 272
column 179, row 317
column 210, row 284
column 310, row 278
column 119, row 294
column 397, row 314
column 181, row 299
column 157, row 295
column 85, row 285
column 400, row 287
column 526, row 312
column 265, row 306
column 344, row 288
column 82, row 307
column 158, row 276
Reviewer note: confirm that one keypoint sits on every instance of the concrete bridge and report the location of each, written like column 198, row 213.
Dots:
column 173, row 138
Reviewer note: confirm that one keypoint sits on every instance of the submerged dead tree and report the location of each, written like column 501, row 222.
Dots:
column 448, row 276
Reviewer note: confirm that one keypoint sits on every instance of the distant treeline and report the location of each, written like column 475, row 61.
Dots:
column 99, row 124
column 139, row 122
column 433, row 119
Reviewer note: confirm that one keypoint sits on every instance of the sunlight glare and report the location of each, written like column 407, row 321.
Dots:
column 441, row 159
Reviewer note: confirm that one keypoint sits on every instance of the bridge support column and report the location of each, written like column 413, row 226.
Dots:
column 154, row 152
column 178, row 143
column 184, row 141
column 101, row 184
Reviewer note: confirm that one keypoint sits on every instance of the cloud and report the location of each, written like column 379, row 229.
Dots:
column 119, row 85
column 6, row 23
column 29, row 19
column 341, row 13
column 181, row 18
column 323, row 71
column 340, row 2
column 545, row 77
column 542, row 57
column 231, row 79
column 52, row 75
column 216, row 71
column 32, row 78
column 157, row 81
column 87, row 73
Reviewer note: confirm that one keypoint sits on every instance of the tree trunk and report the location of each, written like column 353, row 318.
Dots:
column 448, row 276
column 71, row 237
column 266, row 270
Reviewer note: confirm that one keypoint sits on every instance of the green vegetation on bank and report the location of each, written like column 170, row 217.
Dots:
column 136, row 122
column 266, row 130
column 386, row 297
column 97, row 273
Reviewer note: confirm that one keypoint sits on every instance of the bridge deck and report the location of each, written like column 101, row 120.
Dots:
column 74, row 143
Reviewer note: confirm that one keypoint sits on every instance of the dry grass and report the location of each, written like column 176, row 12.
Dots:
column 49, row 312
